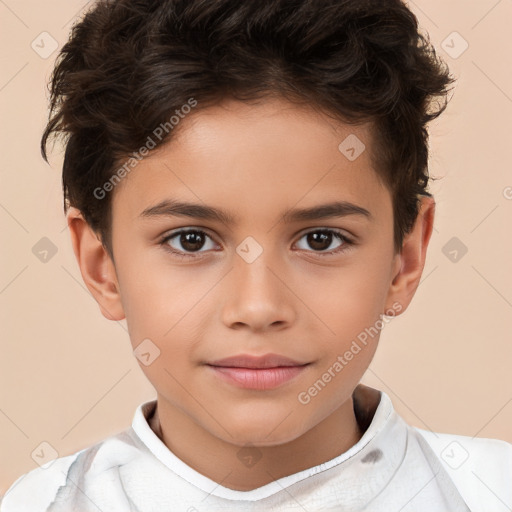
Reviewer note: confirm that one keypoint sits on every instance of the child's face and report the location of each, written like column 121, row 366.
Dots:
column 255, row 163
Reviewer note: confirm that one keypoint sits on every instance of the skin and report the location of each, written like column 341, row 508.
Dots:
column 295, row 300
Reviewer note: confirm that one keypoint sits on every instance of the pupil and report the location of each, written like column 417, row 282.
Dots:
column 189, row 239
column 317, row 240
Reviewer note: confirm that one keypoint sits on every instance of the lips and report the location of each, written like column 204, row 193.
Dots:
column 250, row 361
column 257, row 372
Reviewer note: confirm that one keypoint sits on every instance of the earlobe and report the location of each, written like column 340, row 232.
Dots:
column 96, row 266
column 408, row 265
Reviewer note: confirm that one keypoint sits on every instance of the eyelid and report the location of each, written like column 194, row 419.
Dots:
column 343, row 232
column 178, row 231
column 348, row 241
column 300, row 234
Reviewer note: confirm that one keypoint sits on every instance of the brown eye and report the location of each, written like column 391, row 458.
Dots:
column 191, row 240
column 187, row 241
column 321, row 241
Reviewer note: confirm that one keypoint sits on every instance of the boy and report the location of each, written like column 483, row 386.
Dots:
column 288, row 137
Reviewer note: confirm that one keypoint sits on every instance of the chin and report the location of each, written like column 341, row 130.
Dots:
column 264, row 430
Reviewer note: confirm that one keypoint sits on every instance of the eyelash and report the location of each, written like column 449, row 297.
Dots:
column 347, row 242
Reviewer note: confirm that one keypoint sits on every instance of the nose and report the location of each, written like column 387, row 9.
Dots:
column 258, row 295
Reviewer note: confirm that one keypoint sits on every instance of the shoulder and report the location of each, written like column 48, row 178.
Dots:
column 56, row 480
column 37, row 489
column 480, row 468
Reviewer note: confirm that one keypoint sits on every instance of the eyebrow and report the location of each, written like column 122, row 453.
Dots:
column 174, row 208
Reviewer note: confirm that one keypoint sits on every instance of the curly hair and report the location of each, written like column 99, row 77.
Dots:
column 129, row 64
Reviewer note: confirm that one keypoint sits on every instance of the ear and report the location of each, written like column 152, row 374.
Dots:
column 96, row 266
column 409, row 263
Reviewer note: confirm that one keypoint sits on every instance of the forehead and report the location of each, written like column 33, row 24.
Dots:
column 256, row 158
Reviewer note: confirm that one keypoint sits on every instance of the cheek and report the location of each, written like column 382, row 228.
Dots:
column 346, row 299
column 157, row 324
column 158, row 299
column 160, row 311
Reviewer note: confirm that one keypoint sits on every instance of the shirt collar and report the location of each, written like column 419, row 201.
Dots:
column 384, row 440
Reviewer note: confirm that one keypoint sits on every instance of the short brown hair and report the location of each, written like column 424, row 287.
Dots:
column 130, row 64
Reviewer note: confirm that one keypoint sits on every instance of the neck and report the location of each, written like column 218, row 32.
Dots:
column 220, row 460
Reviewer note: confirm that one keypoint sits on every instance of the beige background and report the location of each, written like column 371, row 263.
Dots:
column 68, row 376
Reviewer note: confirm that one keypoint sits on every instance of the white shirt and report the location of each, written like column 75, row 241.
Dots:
column 394, row 467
